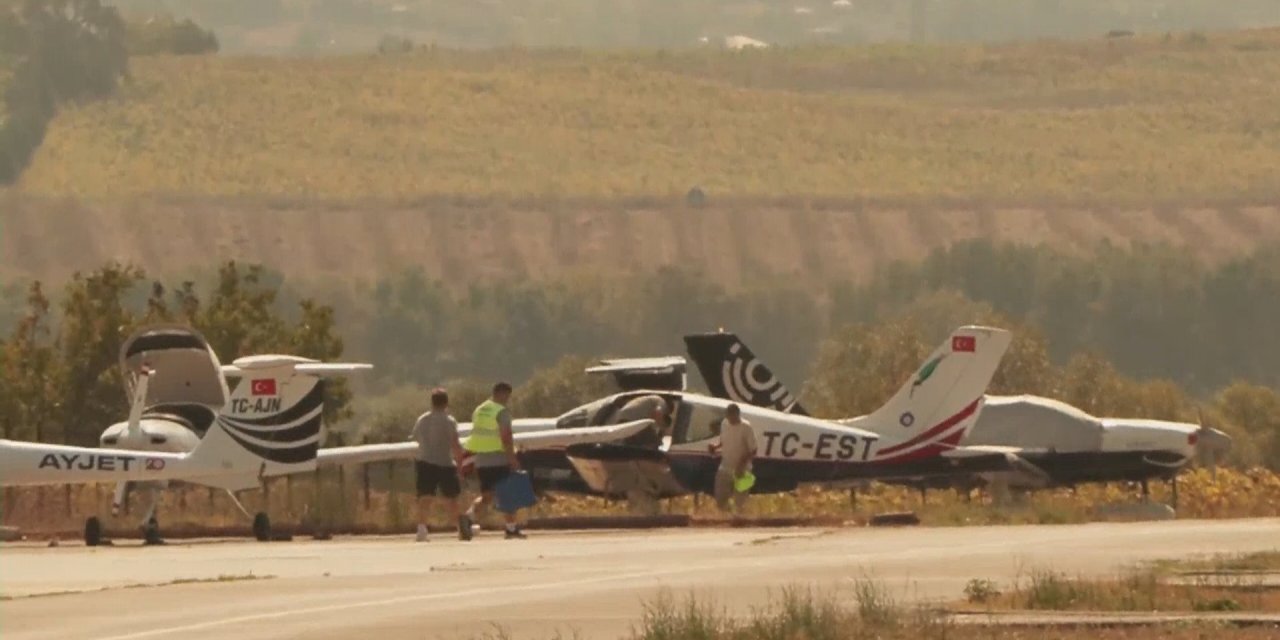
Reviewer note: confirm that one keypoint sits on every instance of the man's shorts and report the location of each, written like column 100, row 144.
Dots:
column 433, row 478
column 491, row 476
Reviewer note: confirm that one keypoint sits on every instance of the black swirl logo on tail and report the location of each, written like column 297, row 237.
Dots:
column 288, row 437
column 748, row 380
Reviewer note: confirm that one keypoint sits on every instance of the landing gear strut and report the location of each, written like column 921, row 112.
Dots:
column 150, row 526
column 92, row 532
column 261, row 522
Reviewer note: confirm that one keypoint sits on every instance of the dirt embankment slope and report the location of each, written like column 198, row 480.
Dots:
column 734, row 245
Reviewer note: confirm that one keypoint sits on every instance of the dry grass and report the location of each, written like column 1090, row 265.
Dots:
column 1260, row 561
column 1145, row 589
column 340, row 504
column 867, row 611
column 1176, row 120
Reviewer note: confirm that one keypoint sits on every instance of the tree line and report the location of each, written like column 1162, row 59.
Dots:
column 59, row 366
column 63, row 52
column 1143, row 331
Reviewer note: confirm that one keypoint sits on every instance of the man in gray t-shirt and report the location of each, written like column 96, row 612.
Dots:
column 436, row 433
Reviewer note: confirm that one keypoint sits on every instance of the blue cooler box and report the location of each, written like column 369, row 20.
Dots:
column 514, row 492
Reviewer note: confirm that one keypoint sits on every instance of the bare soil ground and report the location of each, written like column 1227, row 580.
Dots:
column 735, row 244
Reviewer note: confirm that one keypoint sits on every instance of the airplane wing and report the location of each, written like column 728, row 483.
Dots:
column 332, row 368
column 544, row 439
column 978, row 451
column 659, row 364
column 307, row 366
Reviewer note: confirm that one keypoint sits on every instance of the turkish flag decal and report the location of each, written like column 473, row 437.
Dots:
column 964, row 343
column 264, row 387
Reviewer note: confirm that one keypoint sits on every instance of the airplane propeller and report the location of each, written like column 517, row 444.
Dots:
column 1210, row 443
column 1204, row 455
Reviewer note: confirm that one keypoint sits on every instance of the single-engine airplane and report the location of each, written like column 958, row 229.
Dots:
column 180, row 396
column 234, row 450
column 1060, row 444
column 915, row 433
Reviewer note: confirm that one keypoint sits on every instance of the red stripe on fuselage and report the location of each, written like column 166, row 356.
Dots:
column 929, row 450
column 937, row 430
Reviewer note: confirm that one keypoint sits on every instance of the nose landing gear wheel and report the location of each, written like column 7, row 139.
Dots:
column 261, row 527
column 151, row 533
column 92, row 532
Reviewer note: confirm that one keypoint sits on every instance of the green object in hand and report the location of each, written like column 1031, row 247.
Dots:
column 744, row 482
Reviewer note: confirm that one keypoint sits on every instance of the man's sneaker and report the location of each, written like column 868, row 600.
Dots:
column 422, row 533
column 515, row 534
column 464, row 527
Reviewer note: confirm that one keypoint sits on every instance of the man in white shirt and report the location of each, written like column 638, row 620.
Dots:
column 737, row 448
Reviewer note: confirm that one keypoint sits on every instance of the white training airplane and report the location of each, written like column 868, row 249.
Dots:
column 1059, row 444
column 915, row 433
column 180, row 398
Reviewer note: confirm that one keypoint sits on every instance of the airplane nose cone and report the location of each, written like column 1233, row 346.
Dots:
column 1213, row 441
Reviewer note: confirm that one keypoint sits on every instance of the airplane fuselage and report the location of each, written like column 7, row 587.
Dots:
column 791, row 450
column 153, row 434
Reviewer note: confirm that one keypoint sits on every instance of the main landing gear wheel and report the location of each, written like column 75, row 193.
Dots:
column 262, row 527
column 151, row 532
column 92, row 532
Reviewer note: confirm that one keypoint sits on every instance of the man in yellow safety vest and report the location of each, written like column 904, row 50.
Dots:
column 494, row 450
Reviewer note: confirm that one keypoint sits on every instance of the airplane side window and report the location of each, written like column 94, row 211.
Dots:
column 704, row 424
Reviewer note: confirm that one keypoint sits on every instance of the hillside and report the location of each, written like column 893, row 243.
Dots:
column 1171, row 120
column 735, row 244
column 331, row 26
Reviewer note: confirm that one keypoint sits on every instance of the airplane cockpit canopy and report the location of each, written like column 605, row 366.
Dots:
column 187, row 371
column 690, row 421
column 1034, row 422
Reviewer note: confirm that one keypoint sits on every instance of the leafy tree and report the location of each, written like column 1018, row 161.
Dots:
column 95, row 322
column 316, row 336
column 239, row 317
column 559, row 388
column 68, row 51
column 861, row 366
column 69, row 377
column 30, row 374
column 1254, row 410
column 162, row 34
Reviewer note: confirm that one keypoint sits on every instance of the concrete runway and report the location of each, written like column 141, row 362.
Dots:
column 593, row 583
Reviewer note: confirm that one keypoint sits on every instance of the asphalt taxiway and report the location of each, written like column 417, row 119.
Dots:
column 591, row 583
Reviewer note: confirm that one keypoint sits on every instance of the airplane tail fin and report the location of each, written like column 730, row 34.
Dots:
column 272, row 421
column 733, row 372
column 934, row 410
column 271, row 424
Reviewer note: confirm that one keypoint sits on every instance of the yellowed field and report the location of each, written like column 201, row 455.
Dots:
column 1187, row 118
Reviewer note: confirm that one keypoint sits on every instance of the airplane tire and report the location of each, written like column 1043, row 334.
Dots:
column 92, row 532
column 262, row 527
column 151, row 533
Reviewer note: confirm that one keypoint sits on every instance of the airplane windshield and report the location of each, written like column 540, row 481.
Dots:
column 587, row 415
column 573, row 418
column 700, row 423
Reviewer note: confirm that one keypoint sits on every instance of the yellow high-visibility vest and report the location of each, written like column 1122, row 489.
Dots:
column 485, row 437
